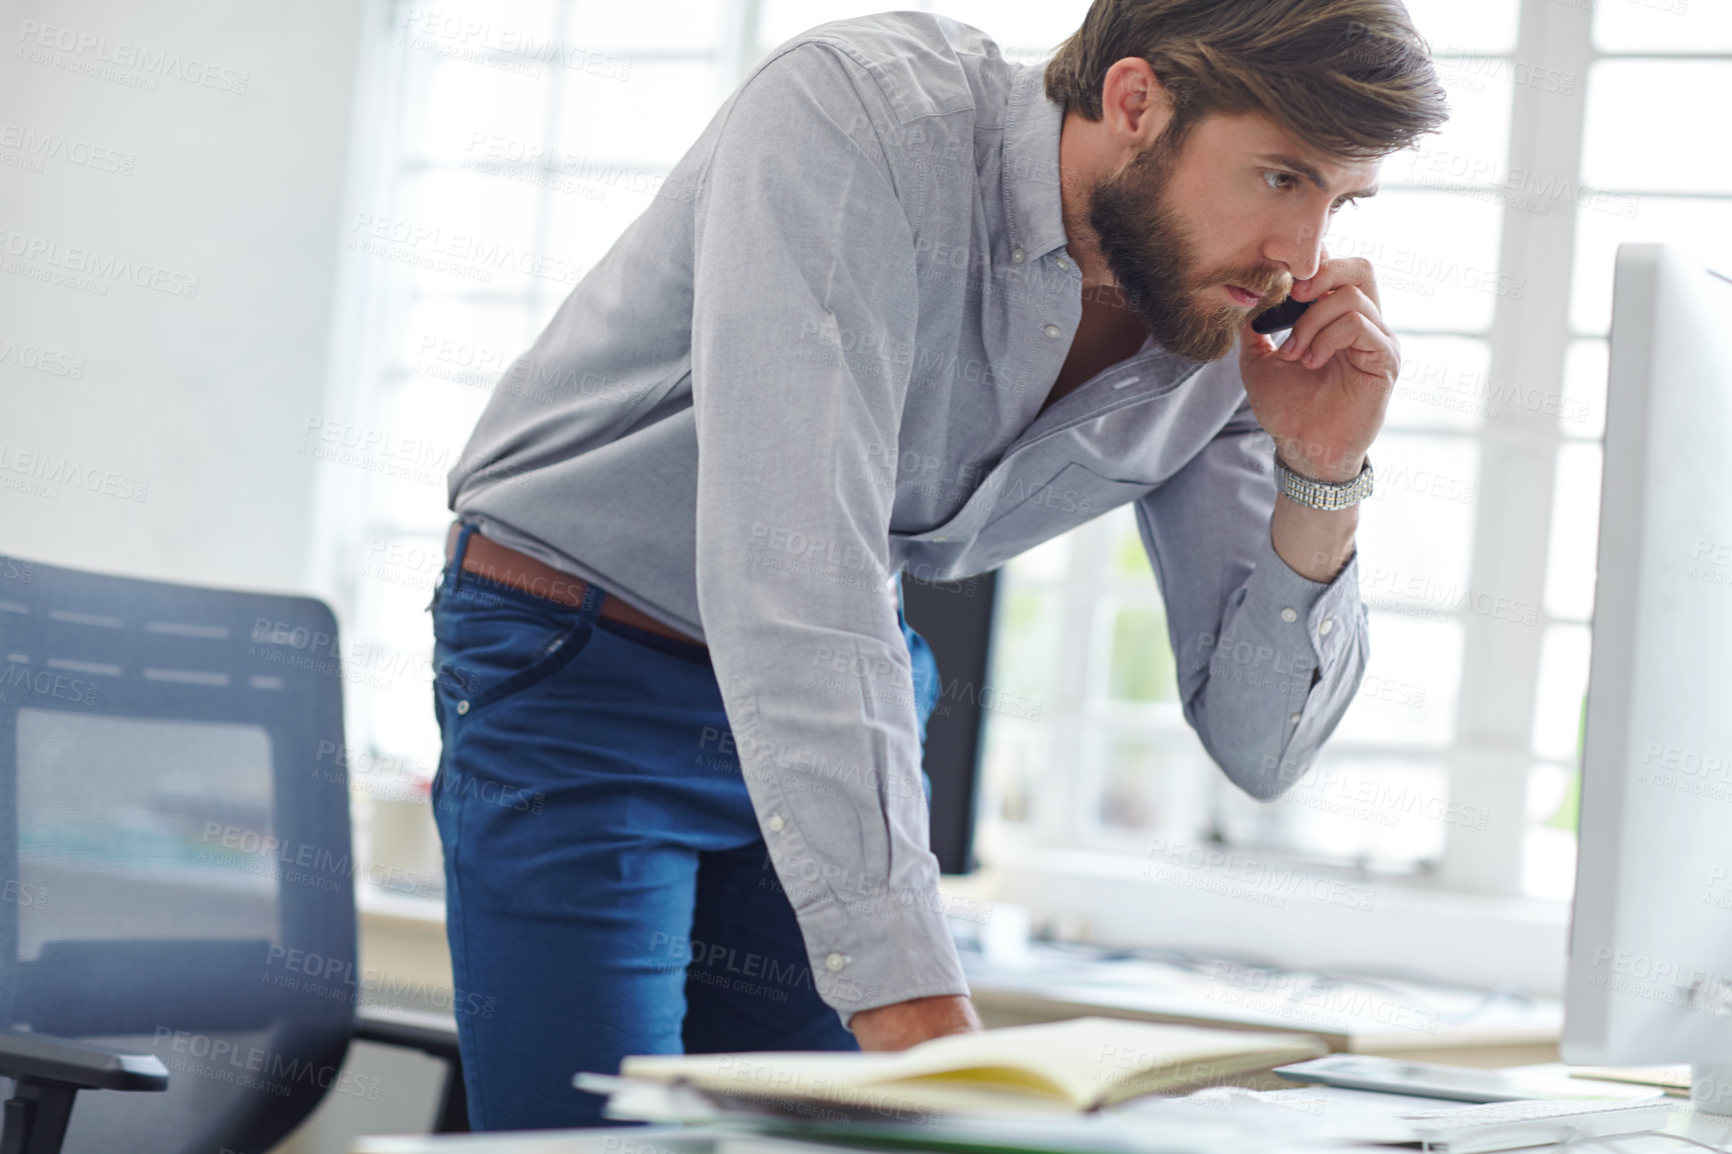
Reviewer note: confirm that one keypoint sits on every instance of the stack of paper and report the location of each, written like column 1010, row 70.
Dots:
column 1055, row 1067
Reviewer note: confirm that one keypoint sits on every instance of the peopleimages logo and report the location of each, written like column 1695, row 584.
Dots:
column 460, row 254
column 41, row 359
column 154, row 63
column 53, row 471
column 82, row 261
column 46, row 683
column 46, row 144
column 269, row 1071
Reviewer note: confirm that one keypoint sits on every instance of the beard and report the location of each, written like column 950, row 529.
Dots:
column 1154, row 260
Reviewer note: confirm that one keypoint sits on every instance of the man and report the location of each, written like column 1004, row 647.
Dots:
column 903, row 305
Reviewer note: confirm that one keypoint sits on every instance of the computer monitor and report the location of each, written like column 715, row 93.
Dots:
column 1650, row 966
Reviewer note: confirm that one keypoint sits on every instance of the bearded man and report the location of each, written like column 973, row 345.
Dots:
column 904, row 305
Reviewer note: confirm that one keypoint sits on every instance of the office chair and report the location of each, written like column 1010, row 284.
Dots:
column 177, row 910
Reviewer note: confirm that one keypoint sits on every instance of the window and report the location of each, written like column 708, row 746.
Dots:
column 522, row 138
column 527, row 135
column 1380, row 797
column 1644, row 177
column 1494, row 240
column 519, row 141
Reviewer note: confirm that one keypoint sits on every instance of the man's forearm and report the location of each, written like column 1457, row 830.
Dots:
column 1315, row 543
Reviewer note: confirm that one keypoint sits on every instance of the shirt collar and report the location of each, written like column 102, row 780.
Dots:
column 1032, row 201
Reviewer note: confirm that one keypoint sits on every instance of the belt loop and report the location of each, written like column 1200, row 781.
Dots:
column 454, row 567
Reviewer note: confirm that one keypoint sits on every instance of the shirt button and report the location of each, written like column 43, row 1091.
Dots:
column 835, row 962
column 1017, row 255
column 462, row 707
column 775, row 823
column 1064, row 264
column 1293, row 719
column 1289, row 615
column 1054, row 331
column 1328, row 624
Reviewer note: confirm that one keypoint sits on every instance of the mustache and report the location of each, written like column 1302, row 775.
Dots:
column 1270, row 285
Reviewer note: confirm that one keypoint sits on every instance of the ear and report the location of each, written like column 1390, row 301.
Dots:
column 1136, row 107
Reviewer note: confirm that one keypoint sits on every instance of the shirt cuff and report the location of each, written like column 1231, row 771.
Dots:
column 881, row 950
column 1324, row 607
column 1295, row 648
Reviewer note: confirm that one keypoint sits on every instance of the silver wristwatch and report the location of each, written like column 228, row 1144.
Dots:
column 1323, row 494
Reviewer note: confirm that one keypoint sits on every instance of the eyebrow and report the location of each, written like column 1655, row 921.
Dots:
column 1309, row 172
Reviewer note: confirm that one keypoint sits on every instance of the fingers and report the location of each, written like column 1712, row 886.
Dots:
column 1369, row 349
column 1253, row 343
column 1342, row 302
column 1333, row 274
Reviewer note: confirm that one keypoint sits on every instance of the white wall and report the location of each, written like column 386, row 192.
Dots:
column 232, row 171
column 193, row 400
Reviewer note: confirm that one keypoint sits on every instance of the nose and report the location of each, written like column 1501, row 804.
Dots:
column 1297, row 247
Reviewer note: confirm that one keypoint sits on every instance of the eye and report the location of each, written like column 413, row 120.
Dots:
column 1342, row 203
column 1280, row 181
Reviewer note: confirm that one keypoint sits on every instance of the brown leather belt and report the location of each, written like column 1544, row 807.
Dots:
column 520, row 571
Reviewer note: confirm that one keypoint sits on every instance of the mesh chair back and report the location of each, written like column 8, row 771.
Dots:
column 176, row 874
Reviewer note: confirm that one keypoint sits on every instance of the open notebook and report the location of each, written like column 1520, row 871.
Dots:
column 1077, row 1065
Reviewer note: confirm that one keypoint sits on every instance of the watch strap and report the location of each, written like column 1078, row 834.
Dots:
column 1328, row 495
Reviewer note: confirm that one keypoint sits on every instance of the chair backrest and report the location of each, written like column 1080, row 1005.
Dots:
column 176, row 875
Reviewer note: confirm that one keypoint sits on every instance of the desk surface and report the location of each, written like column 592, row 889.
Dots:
column 1233, row 1129
column 1367, row 1015
column 1356, row 1014
column 608, row 1140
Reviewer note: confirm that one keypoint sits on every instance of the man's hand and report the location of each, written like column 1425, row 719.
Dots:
column 903, row 1024
column 1322, row 396
column 1323, row 393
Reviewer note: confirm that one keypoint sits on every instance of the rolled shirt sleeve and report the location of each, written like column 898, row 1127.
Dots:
column 805, row 308
column 1268, row 661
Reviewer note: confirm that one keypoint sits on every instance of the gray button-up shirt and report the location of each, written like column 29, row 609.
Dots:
column 819, row 359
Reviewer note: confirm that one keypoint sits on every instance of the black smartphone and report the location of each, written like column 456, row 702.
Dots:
column 1282, row 316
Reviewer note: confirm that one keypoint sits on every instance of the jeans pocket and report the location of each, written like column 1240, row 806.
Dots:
column 489, row 649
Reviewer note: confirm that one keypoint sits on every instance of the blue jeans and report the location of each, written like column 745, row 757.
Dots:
column 607, row 890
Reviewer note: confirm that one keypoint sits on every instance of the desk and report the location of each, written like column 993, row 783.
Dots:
column 1052, row 982
column 1712, row 1131
column 1407, row 1019
column 405, row 939
column 608, row 1140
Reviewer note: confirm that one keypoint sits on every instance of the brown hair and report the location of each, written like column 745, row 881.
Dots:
column 1350, row 77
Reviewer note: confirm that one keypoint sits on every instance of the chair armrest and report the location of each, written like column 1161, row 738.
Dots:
column 47, row 1073
column 432, row 1034
column 40, row 1058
